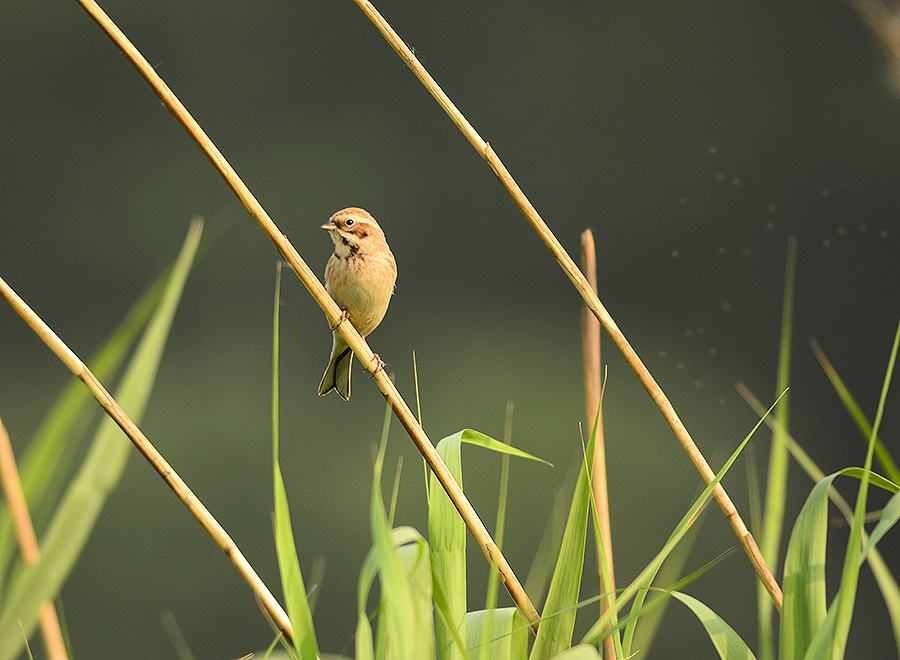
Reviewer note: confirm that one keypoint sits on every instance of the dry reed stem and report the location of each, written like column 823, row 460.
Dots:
column 28, row 545
column 210, row 524
column 332, row 311
column 884, row 22
column 590, row 344
column 593, row 302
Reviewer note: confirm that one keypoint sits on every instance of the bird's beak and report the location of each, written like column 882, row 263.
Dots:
column 330, row 226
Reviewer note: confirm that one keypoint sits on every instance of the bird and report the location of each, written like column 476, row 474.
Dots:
column 360, row 276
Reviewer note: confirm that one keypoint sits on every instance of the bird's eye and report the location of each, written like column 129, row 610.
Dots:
column 349, row 222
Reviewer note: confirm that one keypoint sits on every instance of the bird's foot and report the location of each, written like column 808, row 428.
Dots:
column 344, row 316
column 379, row 364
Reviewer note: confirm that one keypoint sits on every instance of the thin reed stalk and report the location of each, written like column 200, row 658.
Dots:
column 54, row 645
column 331, row 309
column 191, row 501
column 590, row 344
column 591, row 300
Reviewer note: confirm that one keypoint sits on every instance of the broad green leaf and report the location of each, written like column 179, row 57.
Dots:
column 579, row 652
column 416, row 559
column 804, row 606
column 508, row 634
column 807, row 627
column 442, row 609
column 99, row 474
column 447, row 536
column 288, row 561
column 728, row 643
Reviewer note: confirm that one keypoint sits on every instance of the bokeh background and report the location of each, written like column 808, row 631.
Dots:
column 694, row 138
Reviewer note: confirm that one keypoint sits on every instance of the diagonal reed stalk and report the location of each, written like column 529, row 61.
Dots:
column 181, row 489
column 332, row 311
column 590, row 298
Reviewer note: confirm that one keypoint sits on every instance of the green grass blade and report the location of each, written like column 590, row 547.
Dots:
column 645, row 577
column 471, row 437
column 728, row 643
column 447, row 535
column 850, row 574
column 887, row 584
column 402, row 627
column 499, row 634
column 888, row 465
column 100, row 472
column 659, row 603
column 558, row 615
column 641, row 636
column 493, row 586
column 545, row 557
column 889, row 516
column 50, row 452
column 776, row 477
column 288, row 563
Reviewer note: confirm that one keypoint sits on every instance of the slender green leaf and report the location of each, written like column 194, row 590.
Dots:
column 558, row 616
column 850, row 573
column 404, row 631
column 645, row 577
column 288, row 562
column 875, row 479
column 881, row 452
column 481, row 440
column 641, row 636
column 100, row 472
column 887, row 584
column 493, row 587
column 776, row 478
column 541, row 569
column 657, row 604
column 49, row 455
column 728, row 643
column 889, row 516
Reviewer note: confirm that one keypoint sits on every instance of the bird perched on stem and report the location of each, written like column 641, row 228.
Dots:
column 360, row 276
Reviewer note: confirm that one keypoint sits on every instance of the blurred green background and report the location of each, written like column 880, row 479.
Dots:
column 693, row 138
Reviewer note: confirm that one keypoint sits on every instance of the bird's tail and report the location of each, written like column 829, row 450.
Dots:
column 337, row 374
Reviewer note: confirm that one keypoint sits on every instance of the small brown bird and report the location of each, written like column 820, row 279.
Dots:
column 360, row 276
